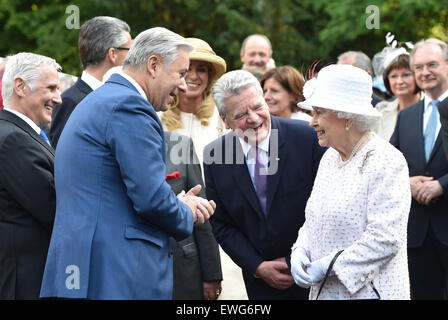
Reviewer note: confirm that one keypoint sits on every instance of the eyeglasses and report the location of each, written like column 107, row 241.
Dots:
column 431, row 66
column 122, row 48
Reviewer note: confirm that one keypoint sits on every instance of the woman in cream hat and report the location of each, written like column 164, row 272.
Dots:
column 360, row 201
column 194, row 114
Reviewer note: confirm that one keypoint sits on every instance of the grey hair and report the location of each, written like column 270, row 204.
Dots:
column 25, row 66
column 155, row 41
column 362, row 60
column 243, row 45
column 432, row 41
column 232, row 83
column 98, row 35
column 361, row 122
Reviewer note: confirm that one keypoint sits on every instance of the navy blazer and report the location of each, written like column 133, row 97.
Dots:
column 61, row 112
column 239, row 224
column 408, row 138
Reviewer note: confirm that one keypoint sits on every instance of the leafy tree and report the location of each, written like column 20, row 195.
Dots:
column 301, row 32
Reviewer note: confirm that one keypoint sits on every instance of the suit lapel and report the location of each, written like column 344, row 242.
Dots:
column 415, row 133
column 83, row 86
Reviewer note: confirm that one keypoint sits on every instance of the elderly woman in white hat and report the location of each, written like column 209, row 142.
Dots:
column 194, row 113
column 353, row 242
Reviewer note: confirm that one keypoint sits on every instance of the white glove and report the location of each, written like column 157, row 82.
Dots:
column 317, row 270
column 299, row 259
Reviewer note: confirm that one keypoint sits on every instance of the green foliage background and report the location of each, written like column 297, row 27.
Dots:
column 301, row 32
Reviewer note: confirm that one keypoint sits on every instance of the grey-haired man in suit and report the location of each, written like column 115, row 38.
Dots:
column 27, row 191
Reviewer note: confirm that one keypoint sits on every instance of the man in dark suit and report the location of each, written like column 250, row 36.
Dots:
column 197, row 270
column 260, row 176
column 417, row 135
column 443, row 110
column 27, row 193
column 103, row 43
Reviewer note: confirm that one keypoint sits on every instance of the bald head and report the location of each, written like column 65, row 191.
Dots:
column 256, row 51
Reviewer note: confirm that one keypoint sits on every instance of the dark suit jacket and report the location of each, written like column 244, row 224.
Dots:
column 239, row 224
column 443, row 111
column 408, row 138
column 196, row 258
column 61, row 112
column 27, row 207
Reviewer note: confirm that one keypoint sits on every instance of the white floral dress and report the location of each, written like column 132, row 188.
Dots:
column 362, row 208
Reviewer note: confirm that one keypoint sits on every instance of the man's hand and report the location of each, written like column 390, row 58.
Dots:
column 425, row 190
column 428, row 192
column 275, row 273
column 202, row 209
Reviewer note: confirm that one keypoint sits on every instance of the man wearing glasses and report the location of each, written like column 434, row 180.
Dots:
column 418, row 135
column 103, row 43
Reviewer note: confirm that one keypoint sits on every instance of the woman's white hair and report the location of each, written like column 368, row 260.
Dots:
column 230, row 84
column 155, row 41
column 361, row 122
column 25, row 66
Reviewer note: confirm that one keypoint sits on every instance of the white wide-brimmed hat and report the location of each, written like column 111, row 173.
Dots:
column 340, row 87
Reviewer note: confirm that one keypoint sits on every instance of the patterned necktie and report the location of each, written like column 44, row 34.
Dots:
column 430, row 131
column 260, row 178
column 44, row 136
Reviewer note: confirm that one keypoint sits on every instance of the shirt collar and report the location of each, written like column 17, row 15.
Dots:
column 25, row 118
column 91, row 81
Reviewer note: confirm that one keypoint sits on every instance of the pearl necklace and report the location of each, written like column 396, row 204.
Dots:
column 341, row 162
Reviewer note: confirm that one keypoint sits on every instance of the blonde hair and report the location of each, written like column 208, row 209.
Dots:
column 171, row 118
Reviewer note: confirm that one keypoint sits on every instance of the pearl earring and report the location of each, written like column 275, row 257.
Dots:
column 347, row 128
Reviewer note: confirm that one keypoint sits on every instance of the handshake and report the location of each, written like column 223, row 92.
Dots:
column 305, row 272
column 202, row 208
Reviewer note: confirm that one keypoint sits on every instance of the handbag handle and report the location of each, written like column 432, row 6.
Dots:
column 327, row 274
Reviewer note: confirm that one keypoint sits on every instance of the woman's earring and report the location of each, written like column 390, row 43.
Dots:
column 347, row 128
